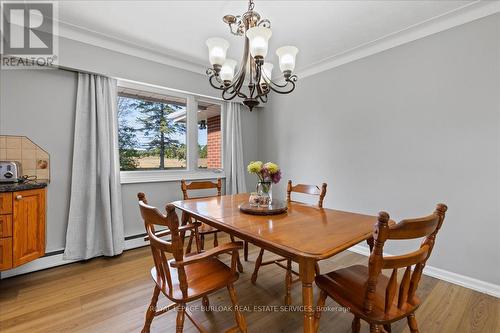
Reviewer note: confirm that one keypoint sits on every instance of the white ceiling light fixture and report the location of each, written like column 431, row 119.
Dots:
column 257, row 32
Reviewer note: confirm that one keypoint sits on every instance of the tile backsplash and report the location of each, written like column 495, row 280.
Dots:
column 34, row 160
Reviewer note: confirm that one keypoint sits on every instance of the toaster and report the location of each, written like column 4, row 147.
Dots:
column 10, row 172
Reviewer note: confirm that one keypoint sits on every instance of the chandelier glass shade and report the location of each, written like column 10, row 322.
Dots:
column 217, row 50
column 252, row 80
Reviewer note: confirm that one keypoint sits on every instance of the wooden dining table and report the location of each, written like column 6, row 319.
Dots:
column 304, row 233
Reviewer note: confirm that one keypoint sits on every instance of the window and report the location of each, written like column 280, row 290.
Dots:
column 209, row 135
column 166, row 135
column 151, row 131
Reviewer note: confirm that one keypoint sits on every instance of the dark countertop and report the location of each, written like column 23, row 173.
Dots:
column 13, row 187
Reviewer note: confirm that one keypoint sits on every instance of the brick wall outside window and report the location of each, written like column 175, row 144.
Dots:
column 214, row 141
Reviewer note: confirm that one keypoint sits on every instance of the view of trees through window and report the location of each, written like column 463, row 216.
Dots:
column 152, row 132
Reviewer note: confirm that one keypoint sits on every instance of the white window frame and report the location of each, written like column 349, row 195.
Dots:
column 191, row 172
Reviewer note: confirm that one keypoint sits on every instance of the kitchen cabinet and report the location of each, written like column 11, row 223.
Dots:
column 22, row 227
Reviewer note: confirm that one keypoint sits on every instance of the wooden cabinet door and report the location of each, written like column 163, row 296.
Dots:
column 5, row 203
column 5, row 226
column 28, row 224
column 5, row 253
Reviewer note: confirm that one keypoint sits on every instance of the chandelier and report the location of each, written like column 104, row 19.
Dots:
column 253, row 72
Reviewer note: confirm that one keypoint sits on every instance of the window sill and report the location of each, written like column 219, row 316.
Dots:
column 132, row 177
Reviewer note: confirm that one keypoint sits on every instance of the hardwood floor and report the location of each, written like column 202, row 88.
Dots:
column 111, row 295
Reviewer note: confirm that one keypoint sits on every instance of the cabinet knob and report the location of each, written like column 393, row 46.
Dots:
column 19, row 197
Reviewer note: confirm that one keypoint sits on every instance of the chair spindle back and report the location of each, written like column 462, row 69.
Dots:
column 159, row 247
column 200, row 185
column 306, row 189
column 406, row 229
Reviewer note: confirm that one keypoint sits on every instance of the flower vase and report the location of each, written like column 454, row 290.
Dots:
column 265, row 192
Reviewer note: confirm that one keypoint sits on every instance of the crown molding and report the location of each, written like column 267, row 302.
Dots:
column 79, row 34
column 459, row 16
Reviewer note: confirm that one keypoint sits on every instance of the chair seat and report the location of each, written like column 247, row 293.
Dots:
column 347, row 287
column 206, row 229
column 202, row 278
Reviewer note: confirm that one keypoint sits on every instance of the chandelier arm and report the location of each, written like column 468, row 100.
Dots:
column 238, row 93
column 262, row 93
column 252, row 90
column 211, row 81
column 263, row 98
column 227, row 98
column 256, row 87
column 242, row 70
column 236, row 85
column 276, row 90
column 251, row 65
column 239, row 83
column 230, row 94
column 269, row 81
column 224, row 87
column 240, row 76
column 258, row 73
column 258, row 78
column 292, row 78
column 274, row 84
column 212, row 74
column 236, row 88
column 232, row 89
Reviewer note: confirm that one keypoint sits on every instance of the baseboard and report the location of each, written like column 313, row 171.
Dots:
column 58, row 260
column 464, row 281
column 135, row 243
column 438, row 273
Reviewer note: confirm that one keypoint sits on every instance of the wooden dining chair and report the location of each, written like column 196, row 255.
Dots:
column 185, row 278
column 205, row 229
column 369, row 294
column 299, row 188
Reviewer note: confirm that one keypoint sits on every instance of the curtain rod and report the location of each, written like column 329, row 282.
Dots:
column 75, row 70
column 57, row 66
column 62, row 67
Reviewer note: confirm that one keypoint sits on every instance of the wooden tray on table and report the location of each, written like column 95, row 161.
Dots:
column 276, row 207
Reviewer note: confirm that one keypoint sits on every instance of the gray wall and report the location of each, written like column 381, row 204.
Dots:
column 402, row 130
column 40, row 104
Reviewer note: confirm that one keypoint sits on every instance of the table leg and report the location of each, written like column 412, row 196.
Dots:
column 307, row 273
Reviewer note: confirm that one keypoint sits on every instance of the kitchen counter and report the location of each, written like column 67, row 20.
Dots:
column 13, row 187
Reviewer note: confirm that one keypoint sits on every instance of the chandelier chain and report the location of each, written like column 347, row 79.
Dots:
column 251, row 5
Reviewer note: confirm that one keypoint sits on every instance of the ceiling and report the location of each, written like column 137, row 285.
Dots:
column 320, row 29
